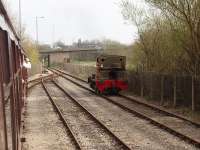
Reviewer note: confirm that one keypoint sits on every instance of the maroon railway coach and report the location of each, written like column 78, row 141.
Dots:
column 110, row 76
column 13, row 77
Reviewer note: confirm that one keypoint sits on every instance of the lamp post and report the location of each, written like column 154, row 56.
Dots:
column 37, row 34
column 53, row 36
column 20, row 20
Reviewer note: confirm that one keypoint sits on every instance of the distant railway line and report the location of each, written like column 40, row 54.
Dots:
column 179, row 126
column 77, row 119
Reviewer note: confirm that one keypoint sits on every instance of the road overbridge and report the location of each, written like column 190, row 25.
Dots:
column 59, row 56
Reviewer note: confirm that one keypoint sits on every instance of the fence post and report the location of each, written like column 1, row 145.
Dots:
column 151, row 86
column 193, row 94
column 162, row 90
column 175, row 96
column 142, row 85
column 73, row 69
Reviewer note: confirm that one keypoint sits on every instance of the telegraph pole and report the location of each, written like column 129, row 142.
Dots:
column 20, row 20
column 37, row 34
column 53, row 36
column 36, row 23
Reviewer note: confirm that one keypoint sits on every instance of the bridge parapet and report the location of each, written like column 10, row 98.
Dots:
column 59, row 56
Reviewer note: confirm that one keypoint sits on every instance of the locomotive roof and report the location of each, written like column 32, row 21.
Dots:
column 105, row 55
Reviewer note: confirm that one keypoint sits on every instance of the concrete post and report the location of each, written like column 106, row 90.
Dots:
column 151, row 86
column 162, row 90
column 142, row 85
column 193, row 94
column 175, row 90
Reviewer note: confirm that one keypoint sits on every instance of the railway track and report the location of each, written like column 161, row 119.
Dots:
column 78, row 120
column 65, row 123
column 179, row 126
column 37, row 81
column 154, row 107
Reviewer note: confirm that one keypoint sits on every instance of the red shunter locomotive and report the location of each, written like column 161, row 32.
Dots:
column 110, row 75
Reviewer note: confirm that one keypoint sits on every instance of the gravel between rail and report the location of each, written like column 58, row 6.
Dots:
column 88, row 132
column 43, row 129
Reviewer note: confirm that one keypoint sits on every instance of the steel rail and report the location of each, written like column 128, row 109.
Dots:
column 93, row 117
column 69, row 75
column 41, row 78
column 154, row 107
column 152, row 121
column 38, row 81
column 64, row 121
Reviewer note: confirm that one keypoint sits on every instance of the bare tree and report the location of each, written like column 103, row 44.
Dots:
column 185, row 17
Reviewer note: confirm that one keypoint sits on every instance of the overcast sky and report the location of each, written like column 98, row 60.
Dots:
column 74, row 19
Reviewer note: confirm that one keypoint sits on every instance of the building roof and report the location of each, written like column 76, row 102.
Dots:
column 109, row 56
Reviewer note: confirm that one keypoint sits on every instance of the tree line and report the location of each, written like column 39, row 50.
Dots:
column 168, row 34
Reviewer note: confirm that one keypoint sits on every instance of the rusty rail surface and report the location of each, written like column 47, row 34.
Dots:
column 124, row 145
column 186, row 138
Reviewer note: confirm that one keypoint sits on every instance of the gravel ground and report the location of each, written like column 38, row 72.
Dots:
column 89, row 133
column 181, row 110
column 138, row 133
column 43, row 129
column 175, row 123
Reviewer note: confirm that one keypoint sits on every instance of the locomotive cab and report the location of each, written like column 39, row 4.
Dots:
column 110, row 76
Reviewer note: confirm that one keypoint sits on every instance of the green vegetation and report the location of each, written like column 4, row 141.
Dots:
column 27, row 43
column 55, row 65
column 168, row 35
column 112, row 45
column 116, row 48
column 84, row 63
column 31, row 50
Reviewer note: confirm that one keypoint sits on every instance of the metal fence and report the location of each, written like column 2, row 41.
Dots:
column 81, row 71
column 178, row 90
column 12, row 85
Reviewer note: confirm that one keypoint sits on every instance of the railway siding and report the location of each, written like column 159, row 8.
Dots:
column 88, row 132
column 133, row 130
column 43, row 129
column 134, row 99
column 179, row 125
column 176, row 125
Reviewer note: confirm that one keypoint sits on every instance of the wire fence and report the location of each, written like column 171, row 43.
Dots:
column 178, row 90
column 81, row 71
